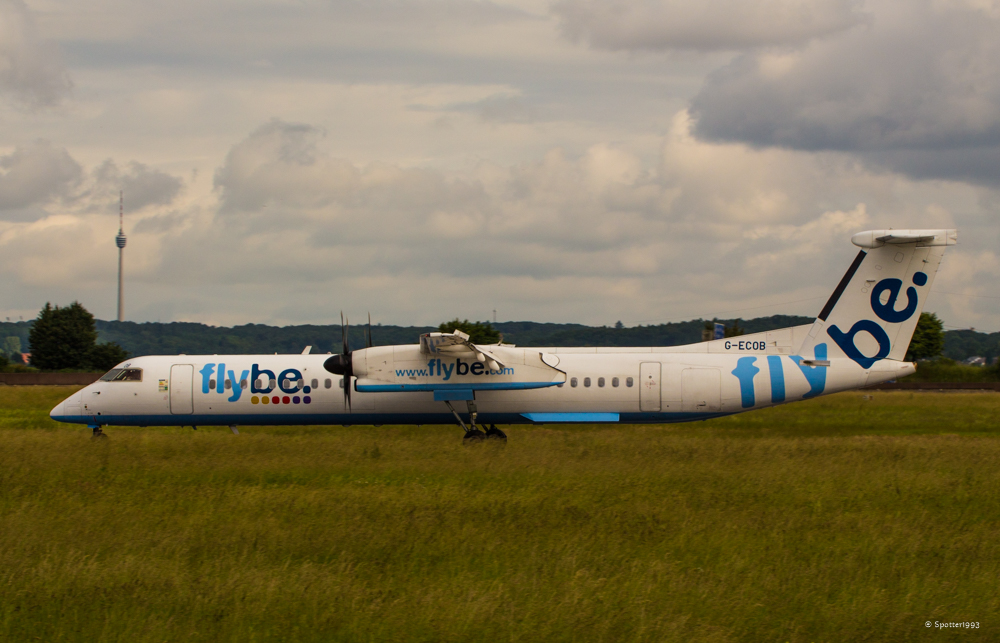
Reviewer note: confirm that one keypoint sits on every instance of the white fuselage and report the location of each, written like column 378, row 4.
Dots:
column 401, row 385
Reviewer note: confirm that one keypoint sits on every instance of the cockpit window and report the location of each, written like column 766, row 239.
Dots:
column 123, row 375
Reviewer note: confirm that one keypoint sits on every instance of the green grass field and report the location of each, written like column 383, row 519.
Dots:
column 838, row 519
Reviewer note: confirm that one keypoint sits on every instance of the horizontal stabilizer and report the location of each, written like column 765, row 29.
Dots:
column 923, row 238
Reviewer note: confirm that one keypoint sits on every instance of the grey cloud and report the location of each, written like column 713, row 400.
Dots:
column 498, row 108
column 602, row 214
column 711, row 227
column 143, row 186
column 917, row 91
column 33, row 176
column 281, row 164
column 704, row 26
column 30, row 68
column 36, row 173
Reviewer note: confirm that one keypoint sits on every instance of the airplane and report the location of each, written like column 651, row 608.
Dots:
column 859, row 338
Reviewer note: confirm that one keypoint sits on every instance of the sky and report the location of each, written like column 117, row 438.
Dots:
column 582, row 161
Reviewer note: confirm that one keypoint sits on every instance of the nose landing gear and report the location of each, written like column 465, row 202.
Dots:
column 98, row 433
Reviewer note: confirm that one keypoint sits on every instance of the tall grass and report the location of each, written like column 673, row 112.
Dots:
column 837, row 519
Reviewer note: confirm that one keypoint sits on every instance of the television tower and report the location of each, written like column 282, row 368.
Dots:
column 120, row 242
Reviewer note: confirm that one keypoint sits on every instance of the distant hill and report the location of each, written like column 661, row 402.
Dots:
column 152, row 338
column 174, row 338
column 962, row 344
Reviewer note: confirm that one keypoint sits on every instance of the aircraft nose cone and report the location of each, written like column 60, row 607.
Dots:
column 58, row 411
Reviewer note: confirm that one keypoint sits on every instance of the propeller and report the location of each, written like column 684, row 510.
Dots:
column 342, row 364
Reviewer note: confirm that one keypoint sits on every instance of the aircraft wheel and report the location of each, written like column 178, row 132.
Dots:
column 99, row 435
column 493, row 433
column 473, row 435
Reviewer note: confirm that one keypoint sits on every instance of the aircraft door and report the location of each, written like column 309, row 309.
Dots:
column 649, row 386
column 701, row 389
column 182, row 389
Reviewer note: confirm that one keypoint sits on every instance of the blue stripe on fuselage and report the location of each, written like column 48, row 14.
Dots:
column 347, row 419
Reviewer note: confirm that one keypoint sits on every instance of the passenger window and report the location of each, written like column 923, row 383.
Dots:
column 229, row 385
column 315, row 383
column 259, row 384
column 327, row 383
column 586, row 381
column 572, row 382
column 614, row 382
column 560, row 384
column 243, row 384
column 600, row 382
column 628, row 382
column 272, row 383
column 211, row 385
column 341, row 382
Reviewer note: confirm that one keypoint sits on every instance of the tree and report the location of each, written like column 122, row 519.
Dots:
column 619, row 325
column 104, row 357
column 735, row 331
column 928, row 338
column 11, row 345
column 478, row 332
column 66, row 339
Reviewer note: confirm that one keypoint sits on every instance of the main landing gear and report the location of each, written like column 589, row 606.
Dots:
column 98, row 434
column 473, row 434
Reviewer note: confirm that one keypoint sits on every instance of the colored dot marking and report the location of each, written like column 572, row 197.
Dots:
column 295, row 399
column 307, row 399
column 276, row 400
column 254, row 400
column 265, row 399
column 285, row 400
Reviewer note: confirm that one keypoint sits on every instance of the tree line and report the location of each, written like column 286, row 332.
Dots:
column 69, row 338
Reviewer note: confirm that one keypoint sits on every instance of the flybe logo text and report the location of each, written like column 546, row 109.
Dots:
column 437, row 368
column 261, row 380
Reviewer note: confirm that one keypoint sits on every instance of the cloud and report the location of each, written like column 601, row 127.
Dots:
column 35, row 176
column 293, row 233
column 280, row 163
column 703, row 26
column 35, row 173
column 916, row 90
column 30, row 69
column 707, row 221
column 142, row 185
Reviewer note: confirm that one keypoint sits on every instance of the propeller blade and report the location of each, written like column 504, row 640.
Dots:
column 368, row 340
column 347, row 358
column 344, row 330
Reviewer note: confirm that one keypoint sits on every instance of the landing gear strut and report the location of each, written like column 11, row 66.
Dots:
column 98, row 433
column 473, row 434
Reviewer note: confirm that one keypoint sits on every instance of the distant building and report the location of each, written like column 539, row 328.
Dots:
column 975, row 361
column 25, row 358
